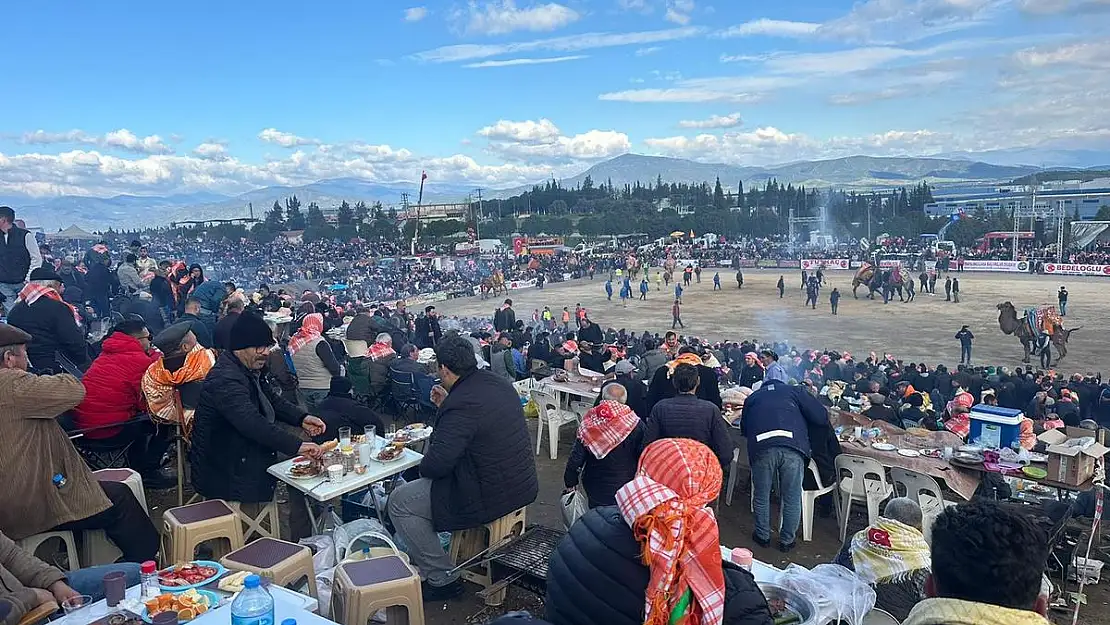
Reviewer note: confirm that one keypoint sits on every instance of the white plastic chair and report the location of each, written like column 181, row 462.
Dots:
column 554, row 417
column 925, row 491
column 732, row 476
column 864, row 483
column 809, row 497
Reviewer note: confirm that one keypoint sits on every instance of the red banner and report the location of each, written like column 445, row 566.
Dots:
column 825, row 263
column 1077, row 270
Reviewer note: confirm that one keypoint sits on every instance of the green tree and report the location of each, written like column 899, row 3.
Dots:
column 718, row 195
column 345, row 216
column 362, row 212
column 316, row 217
column 558, row 207
column 275, row 219
column 294, row 218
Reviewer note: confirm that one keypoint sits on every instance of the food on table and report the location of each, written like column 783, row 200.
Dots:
column 329, row 446
column 917, row 432
column 781, row 614
column 389, row 453
column 234, row 583
column 304, row 467
column 402, row 436
column 186, row 574
column 414, row 426
column 188, row 605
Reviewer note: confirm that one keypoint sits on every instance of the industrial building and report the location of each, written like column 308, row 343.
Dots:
column 1085, row 199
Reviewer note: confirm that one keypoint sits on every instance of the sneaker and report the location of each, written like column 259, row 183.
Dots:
column 787, row 548
column 441, row 593
column 762, row 542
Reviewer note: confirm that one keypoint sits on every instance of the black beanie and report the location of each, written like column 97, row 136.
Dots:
column 340, row 386
column 250, row 331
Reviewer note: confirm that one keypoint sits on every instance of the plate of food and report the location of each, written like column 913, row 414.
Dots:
column 412, row 433
column 932, row 453
column 1036, row 473
column 966, row 458
column 909, row 453
column 188, row 605
column 917, row 432
column 884, row 446
column 304, row 469
column 189, row 575
column 390, row 453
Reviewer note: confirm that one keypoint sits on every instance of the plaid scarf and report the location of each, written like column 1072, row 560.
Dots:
column 682, row 359
column 377, row 351
column 32, row 292
column 605, row 426
column 311, row 328
column 665, row 505
column 159, row 386
column 888, row 551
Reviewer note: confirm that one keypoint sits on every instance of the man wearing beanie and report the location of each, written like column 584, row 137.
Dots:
column 340, row 409
column 240, row 427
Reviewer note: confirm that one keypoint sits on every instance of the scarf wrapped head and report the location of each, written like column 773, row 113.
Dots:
column 160, row 387
column 605, row 426
column 665, row 505
column 683, row 359
column 311, row 327
column 889, row 551
column 32, row 292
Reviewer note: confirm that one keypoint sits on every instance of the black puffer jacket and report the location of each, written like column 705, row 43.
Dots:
column 687, row 416
column 597, row 575
column 233, row 443
column 479, row 457
column 53, row 330
column 603, row 478
column 662, row 388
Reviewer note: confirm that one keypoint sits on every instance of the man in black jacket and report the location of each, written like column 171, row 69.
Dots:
column 661, row 387
column 19, row 255
column 427, row 329
column 340, row 409
column 51, row 322
column 686, row 416
column 236, row 435
column 635, row 391
column 200, row 328
column 478, row 466
column 590, row 332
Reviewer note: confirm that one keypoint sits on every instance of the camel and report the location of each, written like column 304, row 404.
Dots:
column 866, row 276
column 1010, row 323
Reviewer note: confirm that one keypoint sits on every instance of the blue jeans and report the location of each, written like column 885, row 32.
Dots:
column 788, row 465
column 11, row 292
column 965, row 354
column 1063, row 309
column 90, row 581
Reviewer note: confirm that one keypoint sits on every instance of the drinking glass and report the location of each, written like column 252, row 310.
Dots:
column 345, row 438
column 75, row 609
column 390, row 429
column 370, row 437
column 115, row 587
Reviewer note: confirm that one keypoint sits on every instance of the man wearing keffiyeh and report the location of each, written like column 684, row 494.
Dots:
column 662, row 522
column 56, row 325
column 608, row 447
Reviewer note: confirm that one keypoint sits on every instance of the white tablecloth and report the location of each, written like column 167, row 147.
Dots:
column 321, row 489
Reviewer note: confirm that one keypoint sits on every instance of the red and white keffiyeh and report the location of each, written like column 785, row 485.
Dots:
column 311, row 327
column 32, row 292
column 605, row 426
column 665, row 505
column 377, row 351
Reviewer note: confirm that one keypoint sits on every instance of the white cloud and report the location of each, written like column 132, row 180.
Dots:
column 122, row 139
column 714, row 121
column 569, row 43
column 1084, row 54
column 1071, row 7
column 285, row 139
column 678, row 11
column 415, row 14
column 531, row 139
column 648, row 50
column 740, row 89
column 503, row 16
column 771, row 28
column 898, row 21
column 527, row 61
column 212, row 151
column 633, row 5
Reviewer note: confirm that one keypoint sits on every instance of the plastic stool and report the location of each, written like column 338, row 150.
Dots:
column 362, row 588
column 32, row 543
column 284, row 563
column 96, row 548
column 468, row 543
column 188, row 526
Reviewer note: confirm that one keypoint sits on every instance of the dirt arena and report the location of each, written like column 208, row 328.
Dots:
column 922, row 330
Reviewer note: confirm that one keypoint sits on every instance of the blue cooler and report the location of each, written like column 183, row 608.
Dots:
column 994, row 427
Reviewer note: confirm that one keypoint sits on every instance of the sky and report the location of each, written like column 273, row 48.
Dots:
column 106, row 98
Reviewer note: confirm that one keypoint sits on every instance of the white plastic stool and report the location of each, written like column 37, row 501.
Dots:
column 96, row 548
column 32, row 543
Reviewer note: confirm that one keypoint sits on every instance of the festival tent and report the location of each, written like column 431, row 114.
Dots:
column 1084, row 233
column 73, row 233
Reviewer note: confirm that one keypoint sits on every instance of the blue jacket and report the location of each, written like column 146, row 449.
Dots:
column 210, row 294
column 777, row 415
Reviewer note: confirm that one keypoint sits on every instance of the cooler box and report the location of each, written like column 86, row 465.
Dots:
column 994, row 427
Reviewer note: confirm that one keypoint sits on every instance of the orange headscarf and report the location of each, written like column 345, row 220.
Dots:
column 682, row 359
column 160, row 387
column 311, row 327
column 665, row 505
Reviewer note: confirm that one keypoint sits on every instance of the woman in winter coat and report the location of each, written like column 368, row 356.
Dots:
column 608, row 446
column 598, row 572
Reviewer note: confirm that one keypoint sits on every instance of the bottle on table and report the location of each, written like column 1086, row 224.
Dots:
column 253, row 606
column 149, row 580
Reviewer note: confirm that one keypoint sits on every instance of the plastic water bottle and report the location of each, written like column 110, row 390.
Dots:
column 253, row 606
column 149, row 580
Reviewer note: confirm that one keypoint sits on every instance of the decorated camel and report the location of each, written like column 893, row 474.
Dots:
column 874, row 278
column 1045, row 323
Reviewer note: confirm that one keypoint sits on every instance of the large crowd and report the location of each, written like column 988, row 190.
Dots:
column 193, row 339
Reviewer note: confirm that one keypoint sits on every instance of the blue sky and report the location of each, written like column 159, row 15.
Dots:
column 107, row 98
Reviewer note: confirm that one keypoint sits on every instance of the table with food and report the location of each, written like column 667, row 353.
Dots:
column 350, row 464
column 568, row 384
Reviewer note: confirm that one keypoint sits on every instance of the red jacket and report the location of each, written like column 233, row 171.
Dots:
column 113, row 385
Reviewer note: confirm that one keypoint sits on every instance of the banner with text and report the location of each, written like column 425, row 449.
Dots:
column 824, row 263
column 1077, row 270
column 996, row 265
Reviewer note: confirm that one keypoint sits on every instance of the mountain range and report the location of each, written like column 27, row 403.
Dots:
column 860, row 172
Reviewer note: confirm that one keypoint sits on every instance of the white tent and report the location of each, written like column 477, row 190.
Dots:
column 73, row 233
column 1084, row 233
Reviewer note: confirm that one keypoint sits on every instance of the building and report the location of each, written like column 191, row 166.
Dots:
column 434, row 212
column 1084, row 199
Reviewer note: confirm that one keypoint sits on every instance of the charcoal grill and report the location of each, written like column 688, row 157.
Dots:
column 523, row 561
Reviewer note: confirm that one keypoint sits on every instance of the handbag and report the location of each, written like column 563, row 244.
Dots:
column 573, row 505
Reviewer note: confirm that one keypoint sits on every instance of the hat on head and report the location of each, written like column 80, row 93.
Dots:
column 250, row 331
column 11, row 335
column 876, row 399
column 340, row 385
column 45, row 273
column 623, row 367
column 167, row 341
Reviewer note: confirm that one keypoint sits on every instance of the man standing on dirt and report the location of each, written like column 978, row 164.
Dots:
column 1062, row 297
column 956, row 290
column 676, row 313
column 948, row 289
column 933, row 284
column 965, row 336
column 782, row 286
column 834, row 299
column 739, row 279
column 910, row 293
column 923, row 279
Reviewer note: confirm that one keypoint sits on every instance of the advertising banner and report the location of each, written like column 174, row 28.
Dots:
column 1076, row 270
column 747, row 262
column 787, row 264
column 828, row 263
column 767, row 262
column 996, row 265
